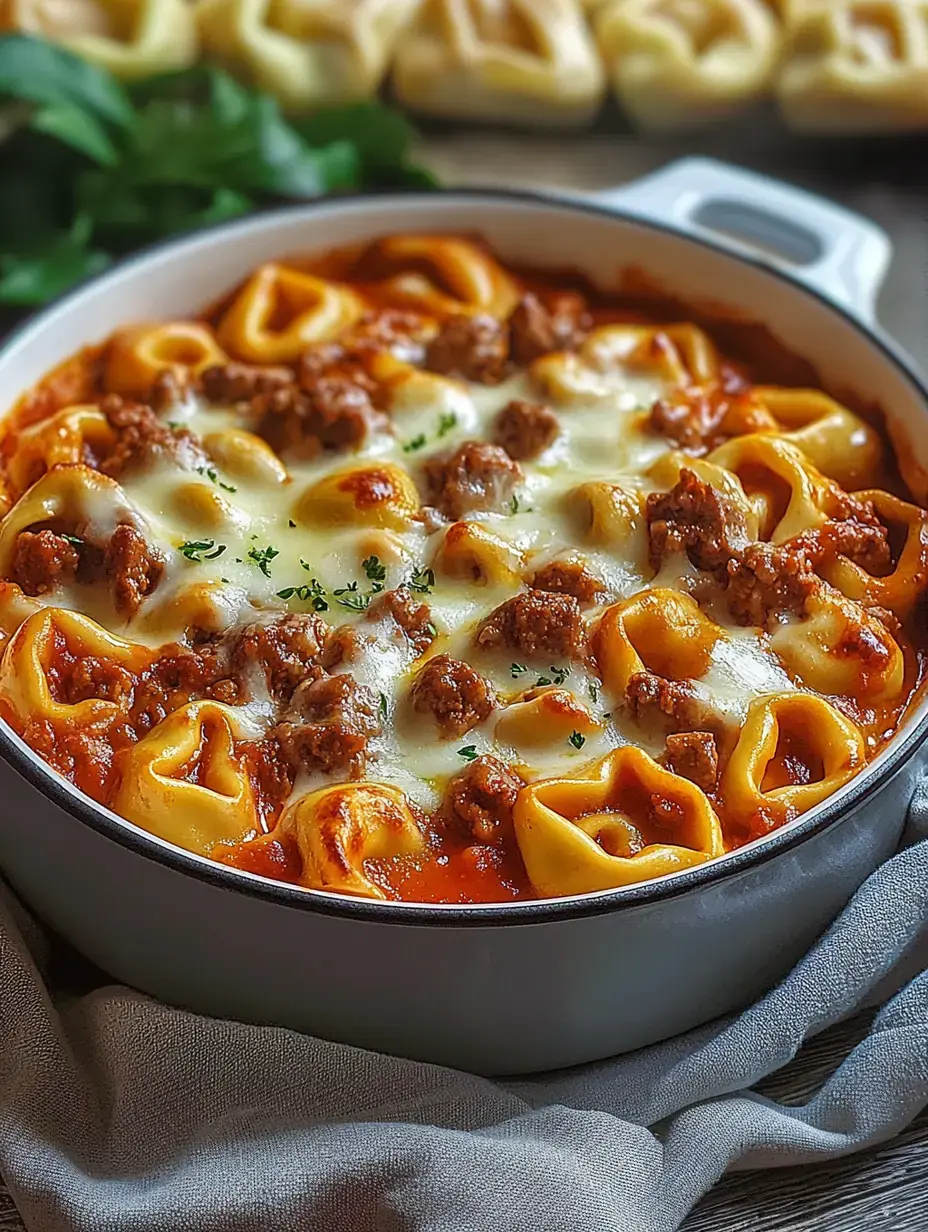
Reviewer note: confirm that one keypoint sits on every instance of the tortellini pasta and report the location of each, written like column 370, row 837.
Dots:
column 305, row 52
column 281, row 311
column 470, row 552
column 839, row 443
column 533, row 61
column 157, row 794
column 70, row 494
column 787, row 493
column 855, row 65
column 60, row 440
column 614, row 358
column 757, row 784
column 339, row 829
column 136, row 356
column 368, row 495
column 623, row 820
column 840, row 649
column 27, row 670
column 675, row 63
column 900, row 589
column 662, row 631
column 442, row 274
column 130, row 38
column 361, row 612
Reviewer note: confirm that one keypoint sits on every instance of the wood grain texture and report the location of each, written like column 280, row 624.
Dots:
column 884, row 1189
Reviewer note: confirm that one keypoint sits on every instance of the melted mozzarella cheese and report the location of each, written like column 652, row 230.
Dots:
column 242, row 543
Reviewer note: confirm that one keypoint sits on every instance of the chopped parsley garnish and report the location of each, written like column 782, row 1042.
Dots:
column 469, row 752
column 417, row 442
column 594, row 691
column 558, row 676
column 349, row 597
column 447, row 421
column 262, row 557
column 74, row 539
column 430, row 628
column 516, row 506
column 210, row 473
column 174, row 424
column 383, row 706
column 517, row 669
column 198, row 550
column 376, row 572
column 313, row 593
column 422, row 580
column 577, row 739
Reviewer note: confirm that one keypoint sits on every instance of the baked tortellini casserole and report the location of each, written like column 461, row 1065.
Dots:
column 403, row 575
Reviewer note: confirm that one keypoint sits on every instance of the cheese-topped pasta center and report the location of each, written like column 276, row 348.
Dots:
column 425, row 580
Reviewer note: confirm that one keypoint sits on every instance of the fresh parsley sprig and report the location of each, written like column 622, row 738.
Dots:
column 92, row 169
column 199, row 550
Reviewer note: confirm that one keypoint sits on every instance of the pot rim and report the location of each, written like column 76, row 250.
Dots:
column 817, row 820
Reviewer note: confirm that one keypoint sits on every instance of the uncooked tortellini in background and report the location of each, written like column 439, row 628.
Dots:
column 680, row 62
column 305, row 52
column 529, row 61
column 857, row 64
column 130, row 38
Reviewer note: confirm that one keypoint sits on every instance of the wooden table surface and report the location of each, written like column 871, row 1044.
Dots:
column 885, row 1189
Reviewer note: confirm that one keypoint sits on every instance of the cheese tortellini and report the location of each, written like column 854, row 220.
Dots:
column 403, row 574
column 533, row 61
column 623, row 820
column 305, row 52
column 130, row 38
column 679, row 62
column 856, row 65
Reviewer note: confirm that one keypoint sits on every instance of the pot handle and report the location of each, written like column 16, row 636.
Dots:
column 834, row 251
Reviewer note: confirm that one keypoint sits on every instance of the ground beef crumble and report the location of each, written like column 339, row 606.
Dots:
column 694, row 756
column 525, row 429
column 695, row 518
column 328, row 726
column 473, row 348
column 479, row 800
column 537, row 623
column 456, row 695
column 477, row 477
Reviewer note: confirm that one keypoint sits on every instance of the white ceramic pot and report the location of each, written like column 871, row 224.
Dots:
column 508, row 988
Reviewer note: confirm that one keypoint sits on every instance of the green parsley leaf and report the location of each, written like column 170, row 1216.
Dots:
column 469, row 752
column 210, row 473
column 375, row 571
column 262, row 557
column 422, row 580
column 383, row 706
column 517, row 669
column 560, row 674
column 349, row 597
column 542, row 681
column 577, row 739
column 73, row 539
column 198, row 550
column 312, row 593
column 417, row 442
column 594, row 688
column 447, row 421
column 430, row 628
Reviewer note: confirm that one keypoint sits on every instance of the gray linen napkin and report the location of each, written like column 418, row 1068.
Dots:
column 119, row 1113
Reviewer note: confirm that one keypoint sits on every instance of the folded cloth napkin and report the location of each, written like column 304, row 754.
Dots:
column 117, row 1113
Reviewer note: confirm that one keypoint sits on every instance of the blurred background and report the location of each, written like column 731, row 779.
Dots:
column 125, row 121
